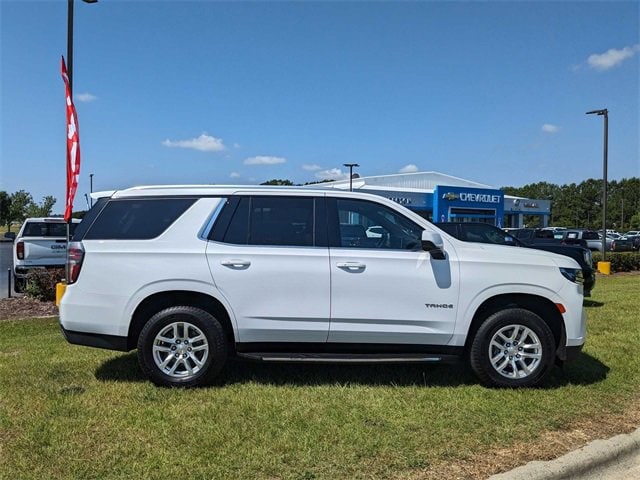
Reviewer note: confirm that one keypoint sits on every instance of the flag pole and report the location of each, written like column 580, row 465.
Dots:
column 70, row 77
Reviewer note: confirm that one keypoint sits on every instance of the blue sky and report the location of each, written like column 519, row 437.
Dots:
column 214, row 92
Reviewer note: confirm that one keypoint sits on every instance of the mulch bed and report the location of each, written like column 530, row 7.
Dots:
column 25, row 307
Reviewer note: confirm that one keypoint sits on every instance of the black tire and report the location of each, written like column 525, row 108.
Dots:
column 192, row 368
column 19, row 284
column 512, row 360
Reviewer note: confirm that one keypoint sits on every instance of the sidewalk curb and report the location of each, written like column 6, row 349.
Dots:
column 592, row 456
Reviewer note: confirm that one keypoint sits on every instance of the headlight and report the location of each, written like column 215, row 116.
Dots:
column 573, row 275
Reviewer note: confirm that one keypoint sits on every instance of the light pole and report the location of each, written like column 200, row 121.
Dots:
column 91, row 186
column 351, row 165
column 70, row 40
column 604, row 112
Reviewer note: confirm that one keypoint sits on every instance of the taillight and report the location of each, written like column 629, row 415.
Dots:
column 75, row 255
column 20, row 250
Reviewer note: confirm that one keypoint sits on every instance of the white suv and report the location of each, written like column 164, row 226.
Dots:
column 191, row 275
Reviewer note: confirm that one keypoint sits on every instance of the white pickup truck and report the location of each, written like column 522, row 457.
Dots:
column 40, row 243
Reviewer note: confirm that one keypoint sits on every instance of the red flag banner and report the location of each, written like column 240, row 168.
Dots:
column 73, row 147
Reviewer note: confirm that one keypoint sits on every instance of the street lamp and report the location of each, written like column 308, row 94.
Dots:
column 70, row 40
column 91, row 186
column 351, row 165
column 604, row 112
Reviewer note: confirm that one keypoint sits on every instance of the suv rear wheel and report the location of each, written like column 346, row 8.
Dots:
column 512, row 348
column 182, row 347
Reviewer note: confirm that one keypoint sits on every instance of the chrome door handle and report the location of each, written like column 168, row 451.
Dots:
column 236, row 263
column 351, row 265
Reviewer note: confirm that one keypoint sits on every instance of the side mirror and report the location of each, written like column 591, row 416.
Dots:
column 10, row 235
column 432, row 243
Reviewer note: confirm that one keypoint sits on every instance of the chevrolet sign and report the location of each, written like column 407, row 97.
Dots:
column 472, row 197
column 451, row 196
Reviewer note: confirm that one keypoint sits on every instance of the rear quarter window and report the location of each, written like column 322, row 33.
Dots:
column 136, row 219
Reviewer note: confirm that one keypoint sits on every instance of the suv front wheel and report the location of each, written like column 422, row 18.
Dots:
column 512, row 348
column 182, row 346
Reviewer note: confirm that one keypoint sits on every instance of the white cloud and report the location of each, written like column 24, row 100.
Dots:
column 408, row 168
column 332, row 174
column 311, row 168
column 234, row 175
column 204, row 143
column 612, row 57
column 264, row 160
column 85, row 97
column 548, row 128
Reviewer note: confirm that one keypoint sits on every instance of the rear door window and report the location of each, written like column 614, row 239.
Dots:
column 269, row 221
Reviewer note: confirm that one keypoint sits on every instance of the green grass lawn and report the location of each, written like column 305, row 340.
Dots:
column 76, row 412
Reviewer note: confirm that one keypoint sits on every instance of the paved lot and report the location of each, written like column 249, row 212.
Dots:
column 6, row 250
column 617, row 458
column 626, row 469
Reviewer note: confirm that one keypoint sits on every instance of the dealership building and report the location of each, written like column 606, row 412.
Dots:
column 443, row 198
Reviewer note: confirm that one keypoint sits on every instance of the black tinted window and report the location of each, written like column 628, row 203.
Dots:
column 286, row 221
column 283, row 221
column 47, row 229
column 137, row 219
column 486, row 234
column 238, row 231
column 89, row 218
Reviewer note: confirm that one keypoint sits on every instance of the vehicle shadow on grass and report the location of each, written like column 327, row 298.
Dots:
column 585, row 370
column 591, row 303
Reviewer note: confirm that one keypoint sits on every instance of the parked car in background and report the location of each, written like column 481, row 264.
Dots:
column 634, row 236
column 555, row 229
column 40, row 243
column 545, row 235
column 622, row 244
column 533, row 235
column 592, row 238
column 486, row 233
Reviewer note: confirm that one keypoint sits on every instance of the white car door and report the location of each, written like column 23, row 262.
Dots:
column 385, row 289
column 272, row 270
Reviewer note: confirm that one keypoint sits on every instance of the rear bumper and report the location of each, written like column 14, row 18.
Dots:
column 97, row 340
column 572, row 353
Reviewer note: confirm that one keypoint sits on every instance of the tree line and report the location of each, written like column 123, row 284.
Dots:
column 575, row 205
column 19, row 205
column 572, row 205
column 580, row 205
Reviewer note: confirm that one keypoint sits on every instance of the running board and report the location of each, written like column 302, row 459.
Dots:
column 346, row 357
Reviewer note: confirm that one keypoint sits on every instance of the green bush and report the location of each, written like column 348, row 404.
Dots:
column 41, row 283
column 620, row 261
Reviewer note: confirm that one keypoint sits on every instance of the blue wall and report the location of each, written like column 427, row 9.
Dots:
column 446, row 198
